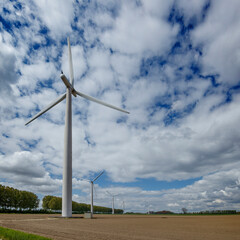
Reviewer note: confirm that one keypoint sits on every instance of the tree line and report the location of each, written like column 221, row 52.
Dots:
column 11, row 198
column 219, row 212
column 14, row 200
column 55, row 204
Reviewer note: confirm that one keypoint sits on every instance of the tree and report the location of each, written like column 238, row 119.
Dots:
column 2, row 196
column 8, row 197
column 11, row 198
column 16, row 197
column 33, row 201
column 184, row 210
column 55, row 203
column 46, row 201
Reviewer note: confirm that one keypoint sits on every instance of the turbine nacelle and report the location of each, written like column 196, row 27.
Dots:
column 68, row 84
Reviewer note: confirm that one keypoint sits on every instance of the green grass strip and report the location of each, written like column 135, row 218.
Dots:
column 10, row 234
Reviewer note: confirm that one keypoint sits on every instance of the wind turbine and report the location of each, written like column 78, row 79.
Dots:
column 123, row 206
column 113, row 196
column 92, row 182
column 67, row 162
column 146, row 204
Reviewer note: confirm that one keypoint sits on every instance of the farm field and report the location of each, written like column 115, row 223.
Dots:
column 121, row 227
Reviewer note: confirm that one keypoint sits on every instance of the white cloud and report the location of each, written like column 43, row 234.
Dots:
column 191, row 10
column 126, row 66
column 57, row 15
column 220, row 35
column 135, row 32
column 24, row 164
column 7, row 66
column 152, row 7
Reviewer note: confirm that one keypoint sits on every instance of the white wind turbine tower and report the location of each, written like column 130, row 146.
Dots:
column 113, row 196
column 92, row 182
column 67, row 163
column 123, row 206
column 146, row 204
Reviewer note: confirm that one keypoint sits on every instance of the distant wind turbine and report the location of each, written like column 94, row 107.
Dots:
column 123, row 206
column 67, row 164
column 146, row 204
column 92, row 182
column 113, row 196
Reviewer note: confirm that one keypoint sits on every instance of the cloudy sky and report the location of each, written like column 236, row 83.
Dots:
column 175, row 65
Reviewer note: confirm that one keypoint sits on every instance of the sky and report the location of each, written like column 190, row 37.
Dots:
column 174, row 65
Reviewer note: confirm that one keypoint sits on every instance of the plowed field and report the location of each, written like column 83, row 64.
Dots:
column 127, row 227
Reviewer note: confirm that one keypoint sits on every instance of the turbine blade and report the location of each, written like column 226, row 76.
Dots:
column 99, row 175
column 70, row 62
column 47, row 108
column 85, row 180
column 100, row 102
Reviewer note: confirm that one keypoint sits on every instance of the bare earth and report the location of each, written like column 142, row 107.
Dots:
column 122, row 227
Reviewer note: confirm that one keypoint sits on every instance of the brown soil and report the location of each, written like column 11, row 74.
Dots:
column 122, row 227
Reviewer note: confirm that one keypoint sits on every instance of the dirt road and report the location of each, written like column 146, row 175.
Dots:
column 127, row 227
